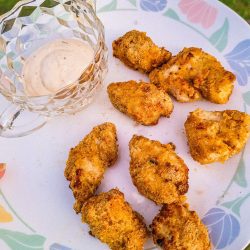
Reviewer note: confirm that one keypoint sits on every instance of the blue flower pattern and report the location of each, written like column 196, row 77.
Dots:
column 223, row 227
column 153, row 5
column 239, row 60
column 57, row 246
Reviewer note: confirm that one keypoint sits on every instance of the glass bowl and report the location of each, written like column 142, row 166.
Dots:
column 27, row 27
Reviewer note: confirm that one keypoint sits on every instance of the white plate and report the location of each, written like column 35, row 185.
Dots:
column 36, row 203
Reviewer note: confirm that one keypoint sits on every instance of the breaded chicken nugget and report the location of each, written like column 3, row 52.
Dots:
column 112, row 220
column 192, row 74
column 138, row 51
column 142, row 101
column 157, row 171
column 216, row 136
column 177, row 228
column 88, row 161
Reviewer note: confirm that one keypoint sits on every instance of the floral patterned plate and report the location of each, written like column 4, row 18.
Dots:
column 35, row 201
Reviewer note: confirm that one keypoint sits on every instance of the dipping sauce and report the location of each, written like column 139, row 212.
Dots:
column 55, row 65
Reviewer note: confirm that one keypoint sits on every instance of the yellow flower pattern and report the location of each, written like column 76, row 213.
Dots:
column 5, row 217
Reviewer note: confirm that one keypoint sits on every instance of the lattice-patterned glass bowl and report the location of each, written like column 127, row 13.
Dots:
column 28, row 26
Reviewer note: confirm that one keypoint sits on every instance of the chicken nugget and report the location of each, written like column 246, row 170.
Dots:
column 112, row 220
column 137, row 50
column 142, row 101
column 178, row 228
column 88, row 161
column 216, row 136
column 193, row 74
column 157, row 171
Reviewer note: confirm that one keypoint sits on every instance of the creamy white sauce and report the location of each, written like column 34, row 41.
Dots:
column 55, row 65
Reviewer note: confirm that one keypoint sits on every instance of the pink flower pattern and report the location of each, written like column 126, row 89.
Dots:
column 199, row 11
column 2, row 169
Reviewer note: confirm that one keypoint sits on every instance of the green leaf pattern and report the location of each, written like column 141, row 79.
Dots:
column 220, row 37
column 109, row 7
column 240, row 177
column 246, row 97
column 235, row 205
column 21, row 241
column 133, row 2
column 172, row 14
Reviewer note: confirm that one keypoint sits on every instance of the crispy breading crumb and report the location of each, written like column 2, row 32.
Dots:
column 216, row 136
column 157, row 171
column 138, row 51
column 178, row 228
column 112, row 220
column 88, row 161
column 192, row 73
column 142, row 101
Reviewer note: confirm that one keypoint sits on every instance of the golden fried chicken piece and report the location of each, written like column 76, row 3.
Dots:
column 157, row 171
column 177, row 228
column 192, row 74
column 216, row 136
column 142, row 101
column 88, row 161
column 138, row 51
column 112, row 220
